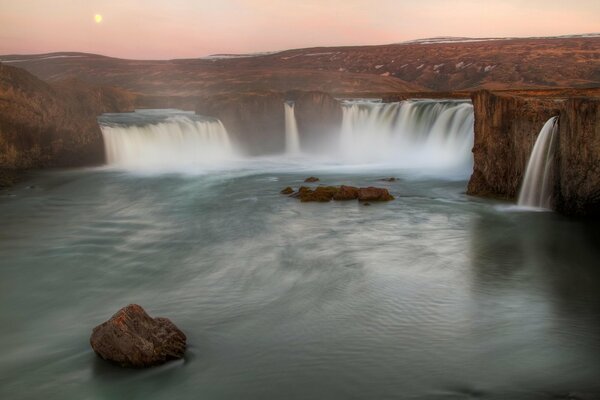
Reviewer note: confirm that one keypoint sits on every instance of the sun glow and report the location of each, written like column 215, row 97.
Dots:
column 98, row 18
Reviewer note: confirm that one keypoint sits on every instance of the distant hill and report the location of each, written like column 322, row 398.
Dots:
column 438, row 64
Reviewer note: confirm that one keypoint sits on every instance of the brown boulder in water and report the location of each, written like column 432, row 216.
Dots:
column 311, row 179
column 346, row 193
column 287, row 190
column 131, row 338
column 374, row 194
column 321, row 194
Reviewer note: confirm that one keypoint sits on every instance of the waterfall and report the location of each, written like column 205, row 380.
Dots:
column 292, row 139
column 536, row 190
column 414, row 133
column 164, row 138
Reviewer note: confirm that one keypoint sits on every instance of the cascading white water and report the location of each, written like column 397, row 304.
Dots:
column 415, row 133
column 292, row 139
column 536, row 190
column 164, row 139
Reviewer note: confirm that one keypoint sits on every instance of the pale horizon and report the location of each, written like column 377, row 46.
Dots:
column 187, row 29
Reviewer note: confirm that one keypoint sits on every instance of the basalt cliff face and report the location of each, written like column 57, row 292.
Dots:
column 506, row 127
column 256, row 120
column 43, row 125
column 579, row 157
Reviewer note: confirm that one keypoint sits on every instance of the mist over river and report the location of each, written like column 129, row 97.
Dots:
column 435, row 295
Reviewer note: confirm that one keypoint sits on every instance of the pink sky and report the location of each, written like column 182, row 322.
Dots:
column 185, row 28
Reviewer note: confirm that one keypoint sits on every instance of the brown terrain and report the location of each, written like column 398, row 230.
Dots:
column 423, row 66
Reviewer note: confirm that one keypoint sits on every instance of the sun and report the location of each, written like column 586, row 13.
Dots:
column 98, row 18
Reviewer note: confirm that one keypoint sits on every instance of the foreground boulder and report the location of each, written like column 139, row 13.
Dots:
column 131, row 338
column 325, row 194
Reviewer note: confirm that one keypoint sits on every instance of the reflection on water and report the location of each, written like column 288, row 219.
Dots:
column 432, row 296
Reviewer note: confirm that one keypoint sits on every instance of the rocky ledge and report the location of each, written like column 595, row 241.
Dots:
column 506, row 128
column 325, row 194
column 131, row 338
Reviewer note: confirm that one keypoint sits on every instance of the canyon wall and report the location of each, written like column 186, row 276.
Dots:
column 43, row 125
column 256, row 120
column 506, row 127
column 579, row 157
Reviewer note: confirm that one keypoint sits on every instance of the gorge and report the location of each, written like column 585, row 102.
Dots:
column 160, row 183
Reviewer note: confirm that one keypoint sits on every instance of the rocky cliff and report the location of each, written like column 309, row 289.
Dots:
column 257, row 122
column 43, row 125
column 506, row 127
column 579, row 157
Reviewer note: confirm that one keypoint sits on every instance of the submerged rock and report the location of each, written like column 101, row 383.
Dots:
column 391, row 179
column 287, row 190
column 311, row 179
column 131, row 338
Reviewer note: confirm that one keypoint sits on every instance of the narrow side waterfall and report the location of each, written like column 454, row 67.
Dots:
column 292, row 139
column 164, row 139
column 414, row 133
column 536, row 190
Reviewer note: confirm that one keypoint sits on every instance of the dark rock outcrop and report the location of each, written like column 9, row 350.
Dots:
column 256, row 120
column 131, row 338
column 287, row 190
column 325, row 194
column 43, row 125
column 311, row 179
column 346, row 193
column 374, row 194
column 579, row 157
column 506, row 128
column 318, row 116
column 319, row 194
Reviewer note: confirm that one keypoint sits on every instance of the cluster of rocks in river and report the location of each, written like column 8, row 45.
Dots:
column 131, row 338
column 325, row 194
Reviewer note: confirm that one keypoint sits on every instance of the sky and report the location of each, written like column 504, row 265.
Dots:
column 152, row 29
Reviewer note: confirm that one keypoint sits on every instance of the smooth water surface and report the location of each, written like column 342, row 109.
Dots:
column 432, row 296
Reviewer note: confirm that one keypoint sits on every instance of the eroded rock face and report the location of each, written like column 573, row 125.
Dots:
column 506, row 127
column 53, row 125
column 579, row 157
column 131, row 338
column 256, row 120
